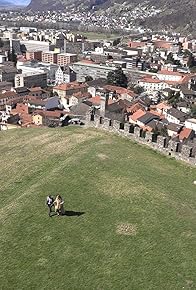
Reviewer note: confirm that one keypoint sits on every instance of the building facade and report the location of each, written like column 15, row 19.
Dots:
column 64, row 59
column 31, row 80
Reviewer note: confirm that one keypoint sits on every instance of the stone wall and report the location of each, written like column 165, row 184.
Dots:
column 162, row 144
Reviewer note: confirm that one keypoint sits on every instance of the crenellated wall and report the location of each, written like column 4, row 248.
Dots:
column 162, row 144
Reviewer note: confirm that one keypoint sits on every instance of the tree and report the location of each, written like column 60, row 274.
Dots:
column 117, row 78
column 12, row 56
column 138, row 90
column 1, row 43
column 193, row 111
column 191, row 61
column 174, row 98
column 116, row 41
column 88, row 78
column 170, row 58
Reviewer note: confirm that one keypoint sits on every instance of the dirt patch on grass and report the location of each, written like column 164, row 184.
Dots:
column 127, row 229
column 102, row 156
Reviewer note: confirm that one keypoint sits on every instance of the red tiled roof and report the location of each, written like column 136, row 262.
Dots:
column 185, row 133
column 134, row 108
column 119, row 90
column 168, row 72
column 35, row 89
column 97, row 99
column 137, row 115
column 151, row 80
column 49, row 114
column 79, row 95
column 71, row 86
column 163, row 106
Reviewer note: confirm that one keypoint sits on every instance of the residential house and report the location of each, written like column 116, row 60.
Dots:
column 146, row 118
column 5, row 97
column 35, row 103
column 95, row 85
column 47, row 118
column 22, row 91
column 184, row 107
column 77, row 98
column 191, row 124
column 22, row 111
column 38, row 92
column 186, row 134
column 120, row 92
column 162, row 108
column 80, row 110
column 96, row 101
column 175, row 116
column 65, row 91
column 153, row 84
column 136, row 115
column 118, row 110
column 64, row 75
column 187, row 94
column 173, row 129
column 7, row 73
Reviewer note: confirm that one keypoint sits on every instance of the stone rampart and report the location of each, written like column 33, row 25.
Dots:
column 162, row 144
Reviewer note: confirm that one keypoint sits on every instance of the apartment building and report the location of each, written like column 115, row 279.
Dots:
column 31, row 80
column 7, row 73
column 37, row 55
column 64, row 59
column 84, row 68
column 50, row 57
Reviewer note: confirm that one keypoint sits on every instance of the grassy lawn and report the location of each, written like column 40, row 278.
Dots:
column 99, row 36
column 138, row 230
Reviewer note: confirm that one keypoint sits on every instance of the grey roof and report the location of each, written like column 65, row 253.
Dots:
column 174, row 127
column 145, row 119
column 21, row 90
column 119, row 106
column 183, row 104
column 188, row 92
column 8, row 69
column 154, row 124
column 52, row 102
column 177, row 114
column 80, row 109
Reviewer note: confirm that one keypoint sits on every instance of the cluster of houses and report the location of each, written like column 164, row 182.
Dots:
column 35, row 107
column 160, row 95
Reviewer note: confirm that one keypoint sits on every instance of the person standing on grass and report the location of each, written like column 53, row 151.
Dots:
column 58, row 205
column 49, row 203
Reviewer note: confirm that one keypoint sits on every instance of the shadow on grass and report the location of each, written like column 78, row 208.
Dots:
column 69, row 213
column 73, row 213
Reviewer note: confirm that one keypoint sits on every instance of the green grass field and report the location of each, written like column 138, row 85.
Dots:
column 139, row 226
column 99, row 36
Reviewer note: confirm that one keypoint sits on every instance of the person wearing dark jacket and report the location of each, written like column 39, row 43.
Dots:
column 49, row 203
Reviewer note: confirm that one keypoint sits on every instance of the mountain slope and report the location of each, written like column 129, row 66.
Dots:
column 177, row 14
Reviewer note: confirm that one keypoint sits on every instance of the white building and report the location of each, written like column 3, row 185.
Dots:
column 64, row 75
column 40, row 67
column 33, row 45
column 191, row 124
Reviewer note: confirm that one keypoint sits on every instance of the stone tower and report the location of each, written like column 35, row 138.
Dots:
column 103, row 102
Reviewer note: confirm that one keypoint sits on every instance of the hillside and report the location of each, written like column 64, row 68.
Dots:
column 177, row 14
column 130, row 213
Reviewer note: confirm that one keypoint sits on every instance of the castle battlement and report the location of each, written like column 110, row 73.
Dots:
column 162, row 144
